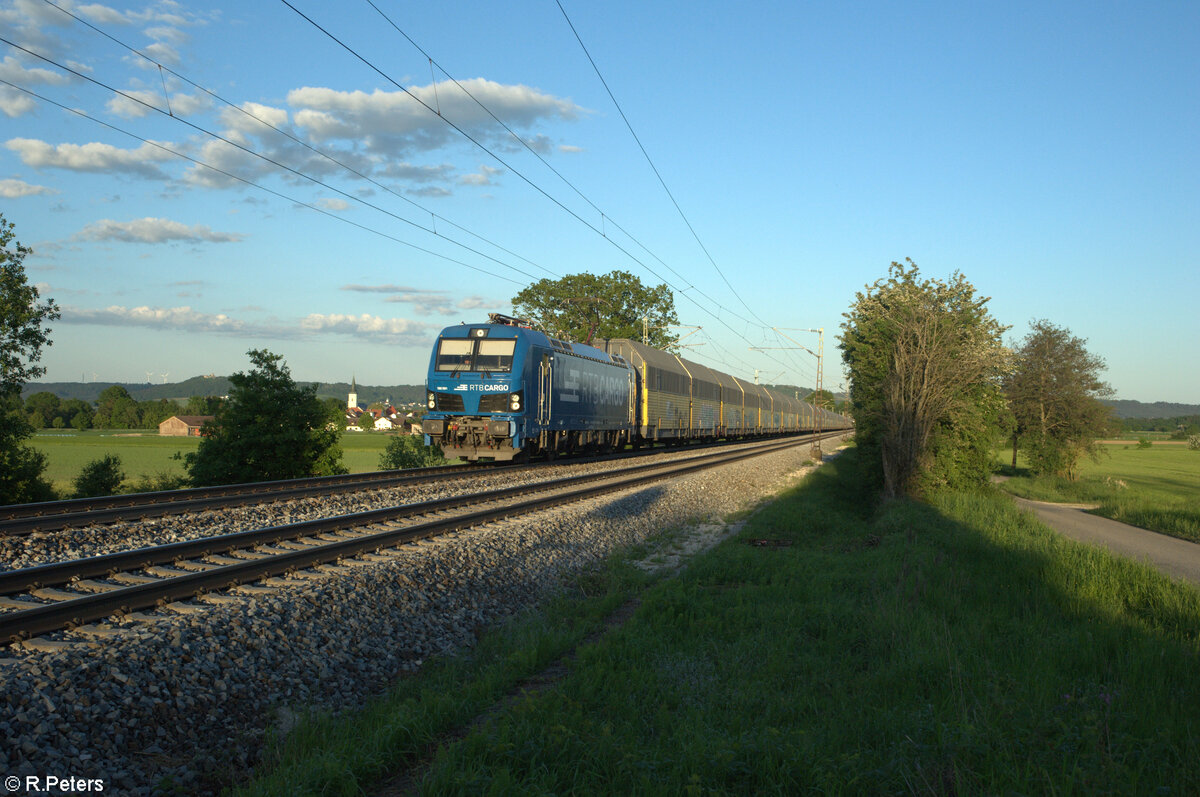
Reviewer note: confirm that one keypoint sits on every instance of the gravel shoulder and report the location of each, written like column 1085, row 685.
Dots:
column 186, row 699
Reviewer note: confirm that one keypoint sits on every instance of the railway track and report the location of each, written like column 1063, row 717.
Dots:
column 24, row 519
column 67, row 595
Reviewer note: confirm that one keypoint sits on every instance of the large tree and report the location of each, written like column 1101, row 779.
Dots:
column 925, row 360
column 116, row 409
column 1054, row 394
column 581, row 307
column 269, row 428
column 23, row 333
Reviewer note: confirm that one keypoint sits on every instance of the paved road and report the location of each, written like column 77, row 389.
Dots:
column 1175, row 557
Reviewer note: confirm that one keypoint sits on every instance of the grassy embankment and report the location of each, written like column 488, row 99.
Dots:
column 145, row 455
column 1156, row 488
column 958, row 647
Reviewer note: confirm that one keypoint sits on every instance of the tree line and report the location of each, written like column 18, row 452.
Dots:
column 115, row 409
column 933, row 387
column 1180, row 427
column 267, row 428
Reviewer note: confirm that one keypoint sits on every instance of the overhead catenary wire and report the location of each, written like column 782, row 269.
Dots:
column 687, row 291
column 245, row 181
column 247, row 150
column 369, row 64
column 296, row 139
column 650, row 161
column 654, row 168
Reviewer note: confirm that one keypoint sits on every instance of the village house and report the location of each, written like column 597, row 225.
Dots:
column 183, row 425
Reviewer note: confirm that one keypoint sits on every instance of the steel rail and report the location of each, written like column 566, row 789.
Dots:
column 23, row 519
column 59, row 573
column 56, row 515
column 41, row 619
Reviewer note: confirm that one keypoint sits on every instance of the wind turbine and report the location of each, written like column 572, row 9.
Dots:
column 164, row 377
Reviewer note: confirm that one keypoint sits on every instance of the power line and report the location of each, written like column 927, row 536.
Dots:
column 650, row 161
column 250, row 183
column 272, row 161
column 435, row 216
column 436, row 112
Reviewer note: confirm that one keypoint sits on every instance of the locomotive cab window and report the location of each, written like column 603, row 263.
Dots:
column 481, row 354
column 454, row 354
column 494, row 355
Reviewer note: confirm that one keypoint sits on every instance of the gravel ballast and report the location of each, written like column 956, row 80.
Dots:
column 187, row 697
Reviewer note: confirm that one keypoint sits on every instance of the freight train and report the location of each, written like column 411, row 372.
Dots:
column 503, row 391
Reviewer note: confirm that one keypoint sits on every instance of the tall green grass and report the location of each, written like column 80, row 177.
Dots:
column 951, row 648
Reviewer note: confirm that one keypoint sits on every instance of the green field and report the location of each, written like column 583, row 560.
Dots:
column 145, row 455
column 1156, row 488
column 953, row 648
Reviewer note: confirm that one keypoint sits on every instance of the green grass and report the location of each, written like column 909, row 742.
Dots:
column 142, row 454
column 145, row 454
column 1154, row 488
column 954, row 648
column 349, row 753
column 361, row 450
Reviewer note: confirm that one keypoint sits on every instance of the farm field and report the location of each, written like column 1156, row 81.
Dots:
column 144, row 454
column 953, row 648
column 1156, row 488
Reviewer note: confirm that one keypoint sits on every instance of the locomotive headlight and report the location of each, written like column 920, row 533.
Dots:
column 430, row 401
column 514, row 402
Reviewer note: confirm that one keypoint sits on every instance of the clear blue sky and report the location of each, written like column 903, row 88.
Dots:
column 1049, row 151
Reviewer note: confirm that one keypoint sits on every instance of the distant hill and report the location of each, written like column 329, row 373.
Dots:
column 409, row 394
column 218, row 386
column 1157, row 409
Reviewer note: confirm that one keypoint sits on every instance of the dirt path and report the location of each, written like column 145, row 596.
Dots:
column 1173, row 556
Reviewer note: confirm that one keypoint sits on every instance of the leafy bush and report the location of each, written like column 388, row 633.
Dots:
column 159, row 482
column 409, row 451
column 269, row 428
column 99, row 477
column 1194, row 442
column 1144, row 442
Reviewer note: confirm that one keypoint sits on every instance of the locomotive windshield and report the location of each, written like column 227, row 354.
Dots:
column 470, row 354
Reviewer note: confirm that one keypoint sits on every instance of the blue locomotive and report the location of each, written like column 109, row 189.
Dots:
column 504, row 391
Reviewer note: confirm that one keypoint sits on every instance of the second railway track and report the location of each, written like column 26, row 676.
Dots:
column 157, row 576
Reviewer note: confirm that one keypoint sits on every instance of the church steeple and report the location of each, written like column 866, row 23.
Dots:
column 352, row 401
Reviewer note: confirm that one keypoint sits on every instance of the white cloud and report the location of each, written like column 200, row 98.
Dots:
column 242, row 121
column 388, row 123
column 92, row 157
column 14, row 103
column 428, row 302
column 134, row 105
column 162, row 53
column 14, row 189
column 476, row 302
column 102, row 15
column 181, row 318
column 416, row 174
column 13, row 70
column 155, row 231
column 388, row 330
column 482, row 177
column 390, row 289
